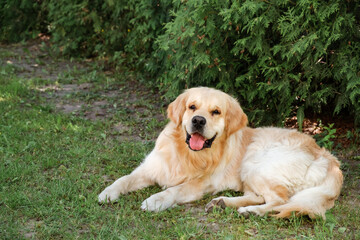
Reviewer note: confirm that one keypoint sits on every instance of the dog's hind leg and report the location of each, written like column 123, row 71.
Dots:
column 249, row 198
column 274, row 196
column 260, row 210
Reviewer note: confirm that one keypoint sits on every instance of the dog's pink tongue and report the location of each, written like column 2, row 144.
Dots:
column 197, row 141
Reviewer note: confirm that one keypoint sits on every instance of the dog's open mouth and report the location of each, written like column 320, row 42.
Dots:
column 197, row 142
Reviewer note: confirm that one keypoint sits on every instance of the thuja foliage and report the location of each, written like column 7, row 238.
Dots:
column 279, row 58
column 275, row 56
column 123, row 30
column 21, row 19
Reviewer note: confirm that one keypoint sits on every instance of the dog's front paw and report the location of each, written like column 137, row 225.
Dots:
column 108, row 195
column 216, row 202
column 157, row 202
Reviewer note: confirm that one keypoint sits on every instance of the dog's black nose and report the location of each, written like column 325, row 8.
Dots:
column 198, row 121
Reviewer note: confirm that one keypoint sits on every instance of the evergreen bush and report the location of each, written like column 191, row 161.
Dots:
column 279, row 58
column 21, row 19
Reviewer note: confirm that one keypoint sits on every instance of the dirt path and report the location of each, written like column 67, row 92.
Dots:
column 81, row 88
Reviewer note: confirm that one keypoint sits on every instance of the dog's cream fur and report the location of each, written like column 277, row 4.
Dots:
column 278, row 170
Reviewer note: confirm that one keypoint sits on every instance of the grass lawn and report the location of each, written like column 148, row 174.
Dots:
column 68, row 129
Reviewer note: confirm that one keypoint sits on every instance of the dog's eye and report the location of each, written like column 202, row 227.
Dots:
column 192, row 107
column 215, row 112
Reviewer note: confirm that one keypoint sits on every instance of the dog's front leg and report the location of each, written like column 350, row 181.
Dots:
column 152, row 170
column 183, row 193
column 134, row 181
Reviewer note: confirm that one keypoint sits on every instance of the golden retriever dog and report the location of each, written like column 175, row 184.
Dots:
column 207, row 148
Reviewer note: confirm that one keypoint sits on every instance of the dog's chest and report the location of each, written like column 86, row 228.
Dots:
column 225, row 177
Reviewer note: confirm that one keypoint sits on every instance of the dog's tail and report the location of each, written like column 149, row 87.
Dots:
column 316, row 200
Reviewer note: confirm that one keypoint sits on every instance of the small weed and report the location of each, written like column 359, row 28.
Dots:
column 325, row 139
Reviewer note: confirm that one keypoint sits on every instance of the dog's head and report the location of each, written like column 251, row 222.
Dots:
column 206, row 114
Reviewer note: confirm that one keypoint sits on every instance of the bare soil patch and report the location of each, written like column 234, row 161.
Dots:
column 76, row 88
column 32, row 60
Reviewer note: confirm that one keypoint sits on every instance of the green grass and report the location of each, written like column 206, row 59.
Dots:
column 53, row 166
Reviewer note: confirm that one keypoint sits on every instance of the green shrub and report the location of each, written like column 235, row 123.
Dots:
column 149, row 18
column 279, row 58
column 77, row 27
column 21, row 19
column 122, row 30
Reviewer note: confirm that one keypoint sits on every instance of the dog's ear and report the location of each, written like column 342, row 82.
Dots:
column 177, row 108
column 235, row 117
